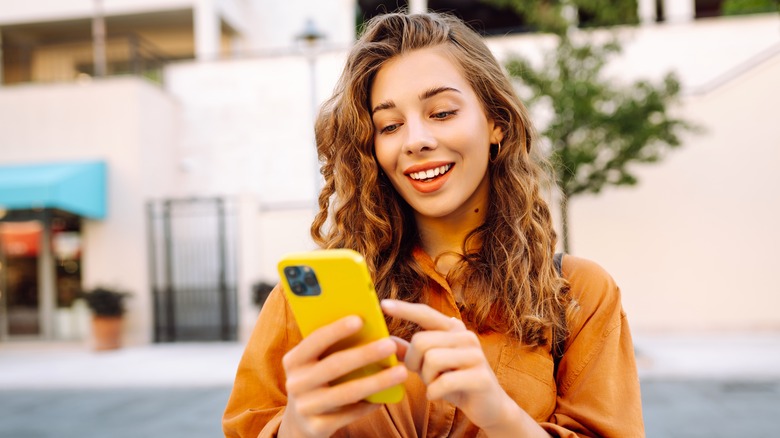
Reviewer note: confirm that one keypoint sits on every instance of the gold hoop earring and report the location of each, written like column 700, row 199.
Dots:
column 495, row 151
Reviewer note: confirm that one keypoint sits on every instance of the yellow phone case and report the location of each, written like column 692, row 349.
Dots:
column 342, row 287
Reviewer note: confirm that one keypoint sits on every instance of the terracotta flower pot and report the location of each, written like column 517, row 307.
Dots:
column 107, row 331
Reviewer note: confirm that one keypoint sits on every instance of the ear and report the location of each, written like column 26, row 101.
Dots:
column 496, row 133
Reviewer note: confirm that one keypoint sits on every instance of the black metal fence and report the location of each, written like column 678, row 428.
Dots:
column 192, row 248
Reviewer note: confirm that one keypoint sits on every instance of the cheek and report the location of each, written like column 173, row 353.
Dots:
column 385, row 157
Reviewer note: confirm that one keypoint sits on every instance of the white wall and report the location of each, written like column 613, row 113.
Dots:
column 694, row 246
column 128, row 123
column 247, row 125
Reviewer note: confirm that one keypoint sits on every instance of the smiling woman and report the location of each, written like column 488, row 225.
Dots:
column 431, row 174
column 436, row 154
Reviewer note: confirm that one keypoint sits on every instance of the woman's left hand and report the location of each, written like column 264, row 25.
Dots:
column 449, row 359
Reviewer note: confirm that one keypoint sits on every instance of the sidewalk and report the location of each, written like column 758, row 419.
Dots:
column 747, row 356
column 76, row 366
column 731, row 356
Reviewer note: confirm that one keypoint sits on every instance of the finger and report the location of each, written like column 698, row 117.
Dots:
column 318, row 374
column 346, row 361
column 422, row 342
column 318, row 341
column 327, row 423
column 401, row 347
column 421, row 314
column 449, row 386
column 348, row 414
column 329, row 399
column 442, row 360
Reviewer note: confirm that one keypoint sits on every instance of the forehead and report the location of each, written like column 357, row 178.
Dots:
column 415, row 72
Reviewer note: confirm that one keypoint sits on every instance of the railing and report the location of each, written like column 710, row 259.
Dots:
column 193, row 269
column 74, row 60
column 737, row 71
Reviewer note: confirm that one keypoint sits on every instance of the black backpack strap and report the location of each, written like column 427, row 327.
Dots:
column 558, row 261
column 559, row 342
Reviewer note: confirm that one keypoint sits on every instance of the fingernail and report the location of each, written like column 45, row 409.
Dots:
column 400, row 371
column 352, row 322
column 388, row 304
column 385, row 346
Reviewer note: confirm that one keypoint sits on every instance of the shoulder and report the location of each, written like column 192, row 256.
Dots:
column 589, row 281
column 276, row 317
column 594, row 290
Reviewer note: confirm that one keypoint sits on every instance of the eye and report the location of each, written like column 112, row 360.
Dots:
column 443, row 115
column 389, row 128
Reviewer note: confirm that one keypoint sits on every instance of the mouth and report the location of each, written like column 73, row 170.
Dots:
column 431, row 174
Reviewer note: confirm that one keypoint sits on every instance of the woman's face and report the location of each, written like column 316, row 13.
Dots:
column 431, row 135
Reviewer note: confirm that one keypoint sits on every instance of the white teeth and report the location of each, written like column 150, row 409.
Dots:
column 430, row 173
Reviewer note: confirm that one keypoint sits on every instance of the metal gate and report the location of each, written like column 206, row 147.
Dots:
column 192, row 247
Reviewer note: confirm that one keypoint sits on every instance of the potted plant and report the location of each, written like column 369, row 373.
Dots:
column 108, row 307
column 260, row 292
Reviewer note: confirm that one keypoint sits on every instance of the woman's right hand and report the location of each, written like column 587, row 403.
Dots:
column 316, row 409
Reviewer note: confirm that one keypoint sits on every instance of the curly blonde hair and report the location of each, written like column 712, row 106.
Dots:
column 520, row 292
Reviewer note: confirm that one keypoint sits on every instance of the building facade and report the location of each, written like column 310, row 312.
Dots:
column 199, row 123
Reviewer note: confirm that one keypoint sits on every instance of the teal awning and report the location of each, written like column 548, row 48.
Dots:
column 76, row 187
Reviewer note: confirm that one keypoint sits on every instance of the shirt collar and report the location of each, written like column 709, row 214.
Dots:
column 440, row 298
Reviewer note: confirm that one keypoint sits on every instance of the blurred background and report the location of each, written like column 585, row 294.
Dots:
column 163, row 150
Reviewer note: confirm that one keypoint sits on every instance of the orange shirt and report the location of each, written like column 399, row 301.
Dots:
column 596, row 391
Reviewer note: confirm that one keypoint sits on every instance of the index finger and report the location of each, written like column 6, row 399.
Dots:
column 421, row 314
column 318, row 341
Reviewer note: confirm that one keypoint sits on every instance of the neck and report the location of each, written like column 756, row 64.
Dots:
column 440, row 236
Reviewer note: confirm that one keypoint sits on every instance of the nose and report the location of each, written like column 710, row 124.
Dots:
column 418, row 138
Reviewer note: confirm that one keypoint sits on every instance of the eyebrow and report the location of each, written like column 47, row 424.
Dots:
column 427, row 94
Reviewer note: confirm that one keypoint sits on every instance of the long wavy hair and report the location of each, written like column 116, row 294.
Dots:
column 509, row 280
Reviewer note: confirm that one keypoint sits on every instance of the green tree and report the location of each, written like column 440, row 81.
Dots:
column 598, row 127
column 739, row 7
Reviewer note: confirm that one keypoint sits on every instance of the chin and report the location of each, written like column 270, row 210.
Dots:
column 433, row 211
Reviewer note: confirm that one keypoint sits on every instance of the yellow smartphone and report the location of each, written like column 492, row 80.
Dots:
column 326, row 285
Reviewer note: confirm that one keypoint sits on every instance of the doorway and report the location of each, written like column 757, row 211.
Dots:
column 19, row 247
column 40, row 274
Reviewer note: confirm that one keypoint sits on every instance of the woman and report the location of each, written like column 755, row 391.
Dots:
column 427, row 159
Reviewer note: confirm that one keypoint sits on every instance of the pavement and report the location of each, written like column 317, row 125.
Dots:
column 75, row 366
column 708, row 356
column 693, row 385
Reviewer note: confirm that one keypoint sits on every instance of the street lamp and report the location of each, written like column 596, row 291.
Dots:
column 311, row 37
column 99, row 40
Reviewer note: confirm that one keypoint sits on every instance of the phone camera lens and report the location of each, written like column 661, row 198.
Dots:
column 298, row 288
column 292, row 271
column 310, row 279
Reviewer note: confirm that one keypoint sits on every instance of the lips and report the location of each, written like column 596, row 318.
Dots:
column 430, row 173
column 429, row 177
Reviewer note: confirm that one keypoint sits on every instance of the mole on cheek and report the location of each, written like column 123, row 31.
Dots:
column 476, row 210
